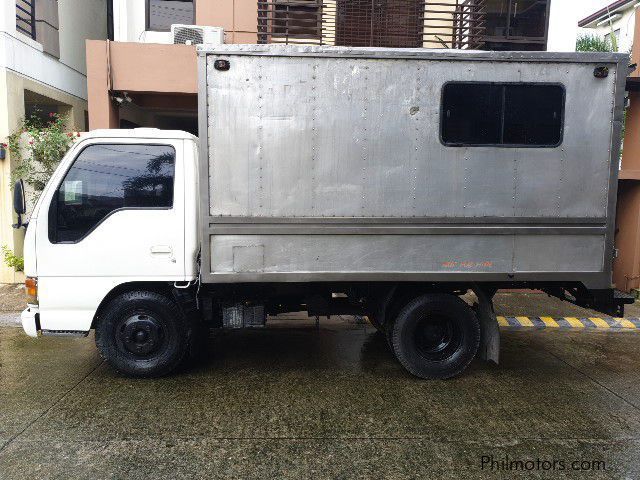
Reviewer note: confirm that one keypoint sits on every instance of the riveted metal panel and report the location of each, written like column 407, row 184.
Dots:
column 406, row 253
column 370, row 253
column 318, row 134
column 559, row 253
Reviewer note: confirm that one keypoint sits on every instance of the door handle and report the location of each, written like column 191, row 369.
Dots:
column 163, row 250
column 159, row 249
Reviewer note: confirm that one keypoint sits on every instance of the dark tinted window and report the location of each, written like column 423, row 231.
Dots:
column 161, row 14
column 105, row 178
column 502, row 114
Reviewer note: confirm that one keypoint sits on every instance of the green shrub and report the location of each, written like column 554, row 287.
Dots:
column 37, row 154
column 11, row 260
column 593, row 43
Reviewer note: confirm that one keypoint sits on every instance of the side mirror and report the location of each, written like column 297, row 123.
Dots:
column 19, row 202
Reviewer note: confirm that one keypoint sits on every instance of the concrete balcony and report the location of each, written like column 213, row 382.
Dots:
column 24, row 56
column 160, row 80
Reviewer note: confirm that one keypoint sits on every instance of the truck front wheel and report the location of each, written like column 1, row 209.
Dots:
column 142, row 334
column 435, row 336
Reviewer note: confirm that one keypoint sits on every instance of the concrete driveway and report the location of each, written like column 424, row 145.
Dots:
column 291, row 401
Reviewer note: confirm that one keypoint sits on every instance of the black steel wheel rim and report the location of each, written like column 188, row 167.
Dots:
column 437, row 337
column 141, row 335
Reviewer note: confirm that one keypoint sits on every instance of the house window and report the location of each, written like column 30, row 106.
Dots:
column 502, row 114
column 389, row 23
column 26, row 17
column 515, row 24
column 161, row 14
column 295, row 21
column 610, row 40
column 528, row 18
column 379, row 23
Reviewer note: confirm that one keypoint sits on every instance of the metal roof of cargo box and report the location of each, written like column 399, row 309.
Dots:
column 411, row 53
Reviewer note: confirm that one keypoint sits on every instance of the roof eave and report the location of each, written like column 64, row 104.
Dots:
column 594, row 18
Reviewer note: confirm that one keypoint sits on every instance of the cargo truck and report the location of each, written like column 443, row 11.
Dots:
column 376, row 182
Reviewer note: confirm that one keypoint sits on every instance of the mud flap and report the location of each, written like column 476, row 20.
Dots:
column 489, row 330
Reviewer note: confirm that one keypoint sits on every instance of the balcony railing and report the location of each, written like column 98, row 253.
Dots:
column 373, row 23
column 26, row 17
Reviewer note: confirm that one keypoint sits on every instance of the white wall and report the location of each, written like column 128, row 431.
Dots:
column 626, row 25
column 24, row 56
column 80, row 20
column 129, row 20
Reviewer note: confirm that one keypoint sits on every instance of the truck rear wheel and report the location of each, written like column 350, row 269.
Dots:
column 143, row 334
column 375, row 323
column 435, row 336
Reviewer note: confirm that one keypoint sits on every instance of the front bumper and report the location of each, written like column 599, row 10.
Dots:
column 30, row 318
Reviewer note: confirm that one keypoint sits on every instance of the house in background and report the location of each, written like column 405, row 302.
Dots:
column 620, row 20
column 614, row 20
column 626, row 267
column 147, row 76
column 478, row 24
column 42, row 70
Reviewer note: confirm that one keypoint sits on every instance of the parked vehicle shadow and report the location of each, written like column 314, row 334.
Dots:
column 297, row 348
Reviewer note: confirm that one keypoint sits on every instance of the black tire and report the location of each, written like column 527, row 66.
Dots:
column 143, row 334
column 435, row 336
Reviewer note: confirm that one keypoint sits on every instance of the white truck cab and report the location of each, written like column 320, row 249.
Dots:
column 121, row 208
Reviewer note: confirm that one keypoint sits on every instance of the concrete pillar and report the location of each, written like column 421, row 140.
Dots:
column 217, row 13
column 626, row 268
column 102, row 112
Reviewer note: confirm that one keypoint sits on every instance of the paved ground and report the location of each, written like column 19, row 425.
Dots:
column 290, row 401
column 11, row 297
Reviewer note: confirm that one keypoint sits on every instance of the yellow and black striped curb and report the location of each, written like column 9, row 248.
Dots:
column 600, row 323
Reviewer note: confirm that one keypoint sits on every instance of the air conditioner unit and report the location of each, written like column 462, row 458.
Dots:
column 196, row 35
column 165, row 38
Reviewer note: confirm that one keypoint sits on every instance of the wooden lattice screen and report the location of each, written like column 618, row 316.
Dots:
column 373, row 23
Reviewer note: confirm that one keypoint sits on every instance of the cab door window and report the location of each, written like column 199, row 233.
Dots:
column 106, row 178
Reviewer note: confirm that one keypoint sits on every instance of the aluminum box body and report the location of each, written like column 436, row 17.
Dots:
column 326, row 164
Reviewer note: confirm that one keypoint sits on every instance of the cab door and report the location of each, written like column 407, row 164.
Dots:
column 116, row 215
